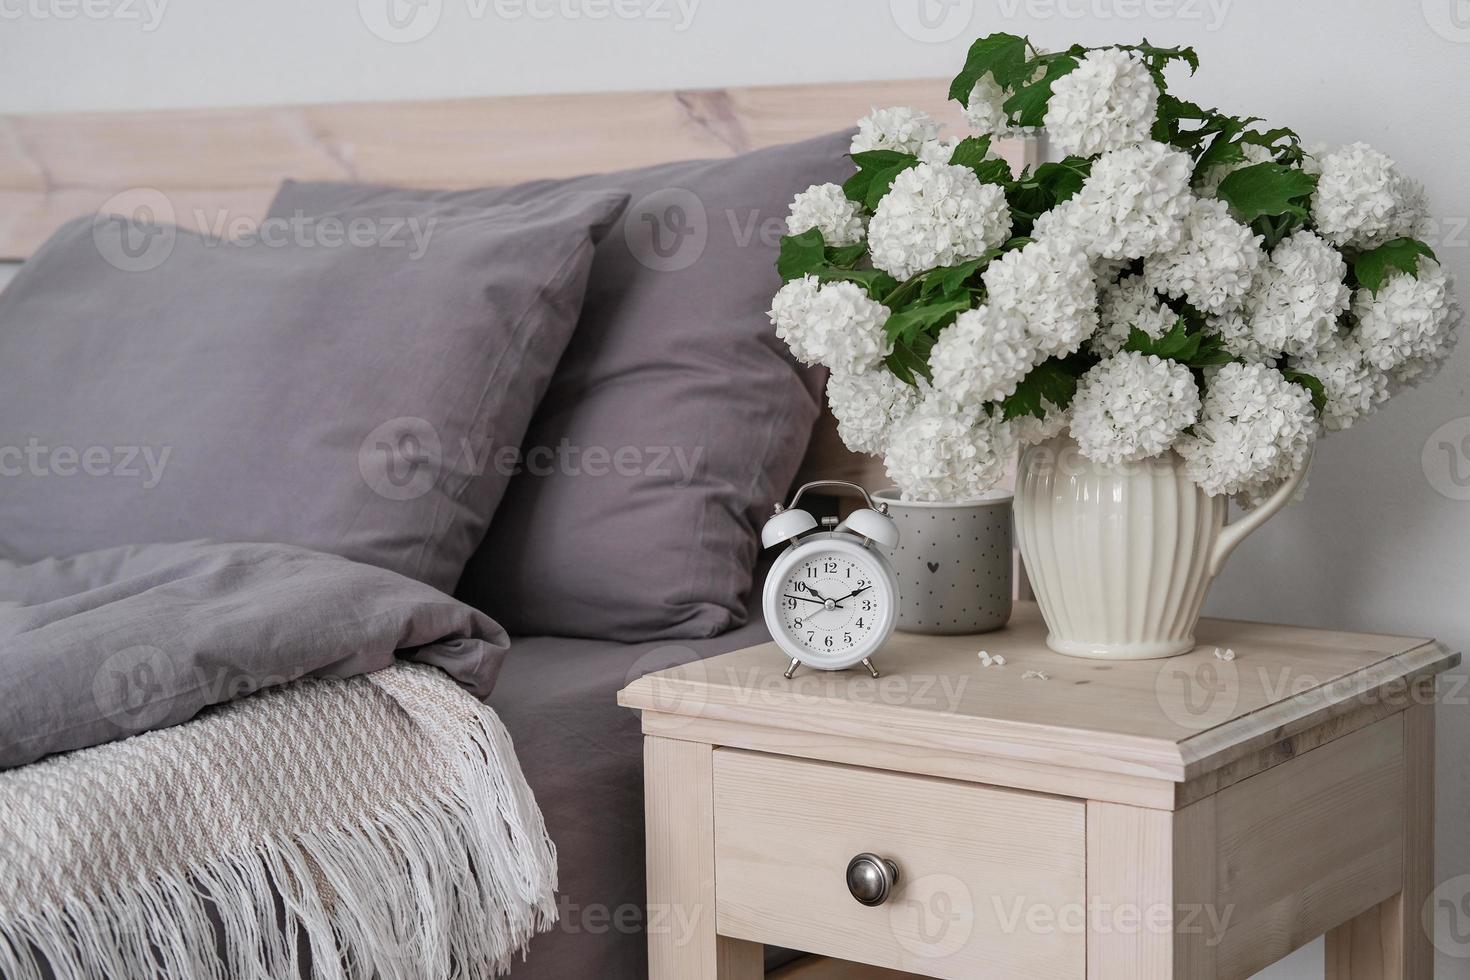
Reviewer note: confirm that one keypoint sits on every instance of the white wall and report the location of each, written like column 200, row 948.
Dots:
column 1382, row 540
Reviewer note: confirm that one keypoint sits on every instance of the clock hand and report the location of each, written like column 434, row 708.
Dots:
column 820, row 602
column 851, row 594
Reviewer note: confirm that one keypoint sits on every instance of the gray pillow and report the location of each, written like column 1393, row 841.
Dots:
column 351, row 388
column 676, row 417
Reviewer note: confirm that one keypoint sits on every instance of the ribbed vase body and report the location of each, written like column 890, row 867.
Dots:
column 1119, row 556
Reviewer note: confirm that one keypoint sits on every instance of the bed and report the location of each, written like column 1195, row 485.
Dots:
column 580, row 754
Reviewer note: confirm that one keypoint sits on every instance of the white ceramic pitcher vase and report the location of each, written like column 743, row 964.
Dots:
column 1121, row 556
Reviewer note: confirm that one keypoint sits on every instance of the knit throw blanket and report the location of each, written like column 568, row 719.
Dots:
column 377, row 826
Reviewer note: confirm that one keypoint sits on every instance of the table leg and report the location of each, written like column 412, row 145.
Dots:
column 1388, row 942
column 678, row 780
column 1150, row 892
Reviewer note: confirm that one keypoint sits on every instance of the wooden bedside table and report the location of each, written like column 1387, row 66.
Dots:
column 1188, row 818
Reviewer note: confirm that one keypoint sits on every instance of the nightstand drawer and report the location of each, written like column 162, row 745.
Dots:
column 990, row 882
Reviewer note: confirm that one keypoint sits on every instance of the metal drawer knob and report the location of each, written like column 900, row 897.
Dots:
column 871, row 879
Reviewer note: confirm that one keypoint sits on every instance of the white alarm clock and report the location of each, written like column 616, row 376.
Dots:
column 831, row 599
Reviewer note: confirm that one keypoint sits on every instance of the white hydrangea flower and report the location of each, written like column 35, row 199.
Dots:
column 1237, row 338
column 1107, row 102
column 852, row 324
column 896, row 128
column 867, row 405
column 1050, row 284
column 1209, row 183
column 934, row 216
column 937, row 152
column 1296, row 298
column 942, row 453
column 1132, row 406
column 1354, row 388
column 826, row 208
column 986, row 111
column 1255, row 430
column 1028, row 430
column 791, row 313
column 1132, row 205
column 982, row 356
column 1363, row 200
column 1214, row 265
column 1130, row 302
column 836, row 324
column 1417, row 370
column 1410, row 319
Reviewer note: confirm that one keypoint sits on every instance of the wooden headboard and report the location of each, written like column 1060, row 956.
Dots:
column 216, row 166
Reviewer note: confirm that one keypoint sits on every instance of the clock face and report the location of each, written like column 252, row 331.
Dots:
column 833, row 605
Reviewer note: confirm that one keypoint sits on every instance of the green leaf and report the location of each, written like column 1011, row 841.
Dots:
column 1267, row 189
column 972, row 152
column 876, row 282
column 871, row 164
column 879, row 159
column 910, row 360
column 848, row 255
column 1211, row 352
column 1157, row 59
column 1053, row 380
column 883, row 182
column 1171, row 112
column 1371, row 267
column 908, row 324
column 801, row 254
column 1175, row 342
column 1003, row 56
column 1190, row 346
column 1064, row 179
column 1028, row 106
column 1312, row 384
column 953, row 278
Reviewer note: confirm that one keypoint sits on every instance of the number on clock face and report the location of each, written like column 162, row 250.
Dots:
column 828, row 603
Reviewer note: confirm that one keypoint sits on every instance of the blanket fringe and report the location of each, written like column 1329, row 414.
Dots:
column 450, row 888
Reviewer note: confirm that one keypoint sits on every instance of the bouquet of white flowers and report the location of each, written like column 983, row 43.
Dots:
column 1182, row 280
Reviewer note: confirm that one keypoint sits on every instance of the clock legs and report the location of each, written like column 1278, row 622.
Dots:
column 791, row 671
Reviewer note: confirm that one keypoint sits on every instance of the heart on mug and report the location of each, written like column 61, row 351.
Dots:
column 933, row 567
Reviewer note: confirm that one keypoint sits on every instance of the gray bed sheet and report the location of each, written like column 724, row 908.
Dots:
column 583, row 756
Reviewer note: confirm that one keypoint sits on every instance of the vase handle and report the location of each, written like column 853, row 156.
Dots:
column 1231, row 535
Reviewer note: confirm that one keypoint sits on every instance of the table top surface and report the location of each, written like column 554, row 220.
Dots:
column 1176, row 718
